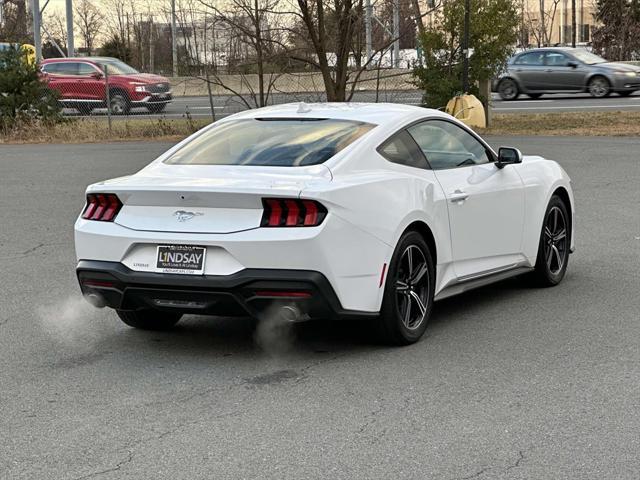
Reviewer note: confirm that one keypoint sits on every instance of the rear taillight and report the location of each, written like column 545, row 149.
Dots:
column 102, row 207
column 292, row 212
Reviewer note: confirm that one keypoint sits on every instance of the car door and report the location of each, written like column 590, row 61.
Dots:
column 529, row 69
column 89, row 86
column 485, row 204
column 61, row 77
column 565, row 74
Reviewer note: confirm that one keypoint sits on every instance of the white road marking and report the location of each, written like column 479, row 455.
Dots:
column 572, row 107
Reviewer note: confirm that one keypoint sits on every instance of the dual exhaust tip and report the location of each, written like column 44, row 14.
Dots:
column 287, row 313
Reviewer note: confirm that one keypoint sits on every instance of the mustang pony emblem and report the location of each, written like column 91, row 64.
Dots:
column 184, row 216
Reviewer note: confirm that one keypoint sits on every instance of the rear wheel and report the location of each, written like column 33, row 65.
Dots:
column 599, row 87
column 408, row 292
column 149, row 319
column 508, row 89
column 553, row 250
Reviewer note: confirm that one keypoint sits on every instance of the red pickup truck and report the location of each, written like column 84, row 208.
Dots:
column 81, row 83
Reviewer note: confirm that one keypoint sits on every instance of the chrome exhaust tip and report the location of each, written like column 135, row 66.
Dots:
column 96, row 300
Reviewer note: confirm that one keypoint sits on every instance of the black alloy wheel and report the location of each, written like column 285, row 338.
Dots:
column 409, row 290
column 553, row 251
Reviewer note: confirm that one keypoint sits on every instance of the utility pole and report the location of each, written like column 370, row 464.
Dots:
column 367, row 26
column 151, row 52
column 465, row 48
column 37, row 40
column 396, row 33
column 573, row 23
column 70, row 48
column 174, row 46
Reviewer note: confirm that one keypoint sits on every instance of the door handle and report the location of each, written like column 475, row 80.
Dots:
column 458, row 196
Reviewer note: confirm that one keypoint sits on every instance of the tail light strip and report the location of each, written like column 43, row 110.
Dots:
column 102, row 207
column 292, row 212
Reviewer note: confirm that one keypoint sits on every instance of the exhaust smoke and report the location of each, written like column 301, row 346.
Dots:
column 275, row 331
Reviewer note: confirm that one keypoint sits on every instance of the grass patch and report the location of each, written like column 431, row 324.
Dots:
column 610, row 124
column 615, row 124
column 97, row 130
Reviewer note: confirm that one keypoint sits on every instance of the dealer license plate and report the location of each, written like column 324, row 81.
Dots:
column 185, row 259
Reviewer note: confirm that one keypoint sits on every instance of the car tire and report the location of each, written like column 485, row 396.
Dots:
column 534, row 96
column 149, row 319
column 508, row 89
column 408, row 292
column 157, row 108
column 555, row 241
column 626, row 93
column 119, row 104
column 599, row 87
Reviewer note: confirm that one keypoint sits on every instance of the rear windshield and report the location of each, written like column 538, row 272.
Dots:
column 270, row 142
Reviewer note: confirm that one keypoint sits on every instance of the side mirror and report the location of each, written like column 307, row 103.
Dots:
column 572, row 64
column 96, row 75
column 508, row 156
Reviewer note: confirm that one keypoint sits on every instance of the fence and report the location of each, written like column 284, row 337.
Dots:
column 85, row 91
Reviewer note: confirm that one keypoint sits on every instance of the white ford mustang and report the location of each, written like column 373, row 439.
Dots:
column 325, row 211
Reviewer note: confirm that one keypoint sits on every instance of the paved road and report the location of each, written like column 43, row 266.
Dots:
column 510, row 382
column 199, row 107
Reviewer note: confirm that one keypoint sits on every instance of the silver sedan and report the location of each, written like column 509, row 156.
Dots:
column 565, row 70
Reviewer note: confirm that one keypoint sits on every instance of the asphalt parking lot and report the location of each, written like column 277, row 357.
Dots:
column 510, row 382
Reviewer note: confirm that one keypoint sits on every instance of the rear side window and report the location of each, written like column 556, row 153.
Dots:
column 531, row 58
column 61, row 68
column 274, row 142
column 402, row 149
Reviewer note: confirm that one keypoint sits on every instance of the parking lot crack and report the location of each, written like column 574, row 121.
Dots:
column 115, row 468
column 476, row 474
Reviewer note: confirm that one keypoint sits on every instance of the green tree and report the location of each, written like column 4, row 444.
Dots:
column 618, row 36
column 493, row 34
column 23, row 95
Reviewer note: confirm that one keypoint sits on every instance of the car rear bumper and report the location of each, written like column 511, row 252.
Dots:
column 247, row 292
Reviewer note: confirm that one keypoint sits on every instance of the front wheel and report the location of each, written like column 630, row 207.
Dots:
column 149, row 319
column 508, row 89
column 599, row 87
column 408, row 292
column 553, row 250
column 119, row 104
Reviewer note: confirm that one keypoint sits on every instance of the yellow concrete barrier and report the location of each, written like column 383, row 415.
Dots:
column 468, row 109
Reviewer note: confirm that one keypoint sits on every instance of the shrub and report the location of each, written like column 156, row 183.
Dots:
column 24, row 97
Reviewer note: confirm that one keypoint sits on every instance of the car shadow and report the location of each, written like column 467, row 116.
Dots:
column 205, row 336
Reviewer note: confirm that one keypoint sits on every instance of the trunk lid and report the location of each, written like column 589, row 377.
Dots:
column 204, row 198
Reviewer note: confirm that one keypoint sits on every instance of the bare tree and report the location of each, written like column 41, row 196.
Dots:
column 540, row 23
column 256, row 25
column 89, row 21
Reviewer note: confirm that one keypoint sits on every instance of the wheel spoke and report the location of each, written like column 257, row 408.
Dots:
column 422, row 269
column 547, row 232
column 549, row 257
column 410, row 261
column 555, row 219
column 401, row 287
column 407, row 314
column 556, row 252
column 418, row 301
column 560, row 235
